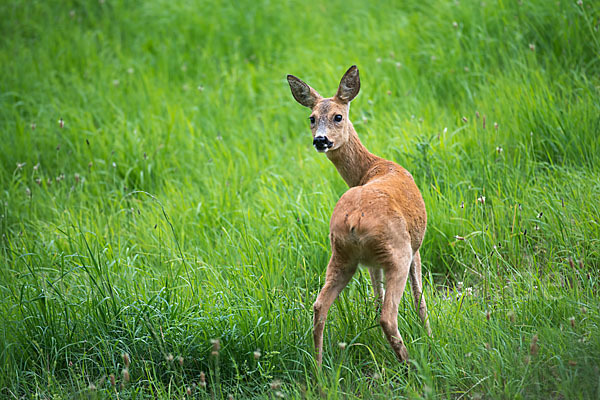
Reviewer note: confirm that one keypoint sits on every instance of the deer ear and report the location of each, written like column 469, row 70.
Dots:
column 303, row 93
column 349, row 85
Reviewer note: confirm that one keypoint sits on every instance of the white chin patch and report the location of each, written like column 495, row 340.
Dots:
column 325, row 150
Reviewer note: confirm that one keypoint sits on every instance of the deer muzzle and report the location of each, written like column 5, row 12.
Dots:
column 322, row 144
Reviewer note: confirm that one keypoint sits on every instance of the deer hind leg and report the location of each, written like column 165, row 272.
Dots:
column 377, row 282
column 396, row 268
column 339, row 273
column 416, row 282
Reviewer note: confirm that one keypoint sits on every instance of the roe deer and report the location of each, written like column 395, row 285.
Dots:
column 379, row 222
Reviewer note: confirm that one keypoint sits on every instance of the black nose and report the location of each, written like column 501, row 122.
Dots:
column 322, row 143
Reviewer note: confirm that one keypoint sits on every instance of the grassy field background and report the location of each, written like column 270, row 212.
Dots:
column 180, row 200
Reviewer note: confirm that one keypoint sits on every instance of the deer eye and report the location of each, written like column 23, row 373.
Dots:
column 337, row 118
column 312, row 120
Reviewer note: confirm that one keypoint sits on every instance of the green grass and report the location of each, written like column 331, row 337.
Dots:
column 182, row 200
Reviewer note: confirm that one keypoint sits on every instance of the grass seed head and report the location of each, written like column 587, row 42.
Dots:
column 180, row 361
column 342, row 345
column 125, row 374
column 61, row 123
column 188, row 391
column 511, row 316
column 534, row 347
column 170, row 357
column 126, row 359
column 276, row 384
column 572, row 322
column 256, row 354
column 112, row 379
column 488, row 315
column 216, row 346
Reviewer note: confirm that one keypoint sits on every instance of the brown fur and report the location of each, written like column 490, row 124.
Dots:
column 379, row 222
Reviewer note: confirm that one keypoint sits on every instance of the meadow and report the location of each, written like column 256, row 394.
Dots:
column 164, row 216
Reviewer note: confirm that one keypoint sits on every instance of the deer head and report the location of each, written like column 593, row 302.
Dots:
column 329, row 121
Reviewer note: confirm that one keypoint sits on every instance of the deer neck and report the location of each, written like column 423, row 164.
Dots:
column 352, row 160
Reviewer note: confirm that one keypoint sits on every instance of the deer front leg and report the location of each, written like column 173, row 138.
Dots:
column 377, row 282
column 339, row 273
column 396, row 275
column 416, row 282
